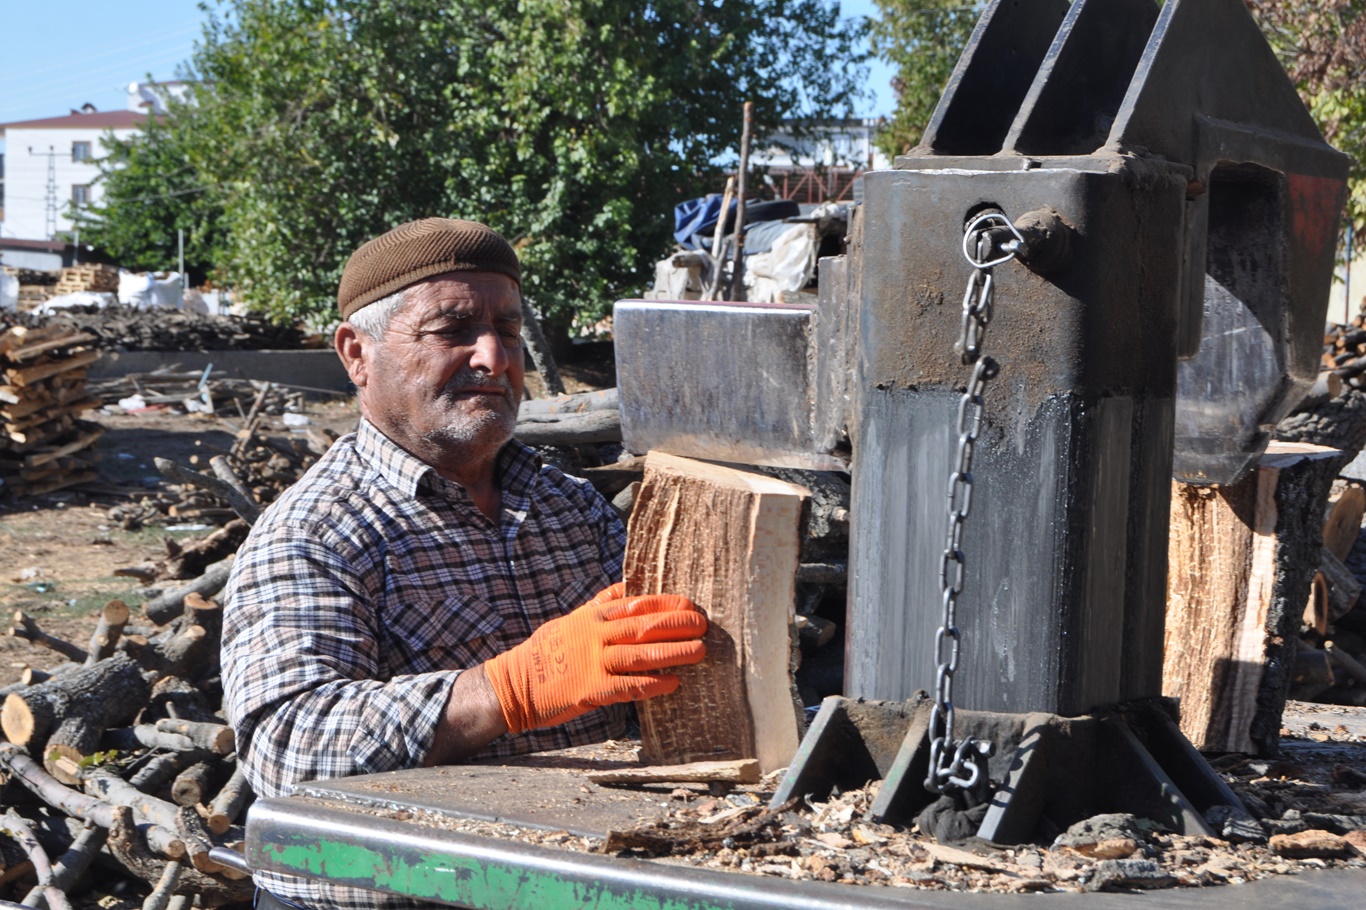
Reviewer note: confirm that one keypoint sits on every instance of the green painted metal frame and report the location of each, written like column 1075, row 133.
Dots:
column 300, row 837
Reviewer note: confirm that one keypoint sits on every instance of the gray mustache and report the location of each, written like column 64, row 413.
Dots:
column 474, row 379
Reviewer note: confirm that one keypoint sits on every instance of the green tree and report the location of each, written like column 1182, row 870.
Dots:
column 923, row 39
column 1323, row 46
column 153, row 190
column 571, row 126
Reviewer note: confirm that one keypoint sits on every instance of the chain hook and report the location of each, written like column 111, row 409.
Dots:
column 961, row 764
column 988, row 226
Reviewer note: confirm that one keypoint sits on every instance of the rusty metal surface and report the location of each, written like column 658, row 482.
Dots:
column 1082, row 81
column 1066, row 544
column 726, row 382
column 547, row 790
column 997, row 67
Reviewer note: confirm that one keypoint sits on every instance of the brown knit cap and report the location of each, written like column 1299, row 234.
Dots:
column 420, row 249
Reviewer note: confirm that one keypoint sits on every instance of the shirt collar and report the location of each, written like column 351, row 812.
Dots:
column 517, row 465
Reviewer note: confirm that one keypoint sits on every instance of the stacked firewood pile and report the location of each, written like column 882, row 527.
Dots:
column 1330, row 664
column 121, row 757
column 35, row 286
column 120, row 762
column 129, row 329
column 43, row 444
column 97, row 278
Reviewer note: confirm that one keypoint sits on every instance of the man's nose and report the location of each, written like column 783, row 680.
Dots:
column 489, row 354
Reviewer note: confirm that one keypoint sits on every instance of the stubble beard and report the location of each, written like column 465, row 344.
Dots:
column 488, row 427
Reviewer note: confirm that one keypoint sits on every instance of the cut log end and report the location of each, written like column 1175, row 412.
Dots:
column 18, row 720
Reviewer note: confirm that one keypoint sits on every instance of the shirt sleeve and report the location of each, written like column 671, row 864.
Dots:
column 301, row 665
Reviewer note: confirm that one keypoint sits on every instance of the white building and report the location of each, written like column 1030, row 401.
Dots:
column 823, row 164
column 49, row 164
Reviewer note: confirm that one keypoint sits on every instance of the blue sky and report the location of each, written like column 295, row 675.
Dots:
column 58, row 56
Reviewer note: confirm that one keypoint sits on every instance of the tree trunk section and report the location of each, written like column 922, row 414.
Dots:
column 1242, row 558
column 113, row 617
column 729, row 540
column 71, row 711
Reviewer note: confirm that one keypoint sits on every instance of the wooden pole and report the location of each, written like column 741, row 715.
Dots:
column 737, row 275
column 718, row 241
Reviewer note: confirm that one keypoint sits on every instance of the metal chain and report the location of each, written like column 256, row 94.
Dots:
column 954, row 764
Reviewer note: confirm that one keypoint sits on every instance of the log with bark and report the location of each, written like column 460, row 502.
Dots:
column 18, row 828
column 64, row 718
column 230, row 801
column 1242, row 560
column 26, row 627
column 78, row 805
column 152, row 704
column 167, row 606
column 113, row 617
column 729, row 540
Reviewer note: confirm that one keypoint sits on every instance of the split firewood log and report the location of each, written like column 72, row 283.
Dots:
column 68, row 714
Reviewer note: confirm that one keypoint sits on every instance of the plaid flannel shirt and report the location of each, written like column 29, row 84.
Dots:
column 363, row 591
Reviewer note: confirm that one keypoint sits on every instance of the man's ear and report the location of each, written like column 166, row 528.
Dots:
column 353, row 346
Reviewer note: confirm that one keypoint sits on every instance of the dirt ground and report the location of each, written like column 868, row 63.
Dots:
column 61, row 551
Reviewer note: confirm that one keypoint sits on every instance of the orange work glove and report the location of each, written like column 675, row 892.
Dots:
column 609, row 650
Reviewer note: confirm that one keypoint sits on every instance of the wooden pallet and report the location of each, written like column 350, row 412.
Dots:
column 31, row 276
column 97, row 278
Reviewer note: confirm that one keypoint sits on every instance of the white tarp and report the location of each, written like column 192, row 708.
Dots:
column 789, row 266
column 76, row 298
column 9, row 292
column 150, row 290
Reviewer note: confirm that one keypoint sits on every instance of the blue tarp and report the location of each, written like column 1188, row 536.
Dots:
column 697, row 216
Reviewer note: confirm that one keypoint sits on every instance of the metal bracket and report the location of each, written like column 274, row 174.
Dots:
column 1048, row 772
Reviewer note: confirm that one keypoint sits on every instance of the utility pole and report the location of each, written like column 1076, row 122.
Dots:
column 50, row 200
column 180, row 257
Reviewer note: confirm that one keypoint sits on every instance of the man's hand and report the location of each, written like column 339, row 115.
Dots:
column 609, row 650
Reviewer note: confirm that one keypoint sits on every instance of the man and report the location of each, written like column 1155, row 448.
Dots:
column 415, row 598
